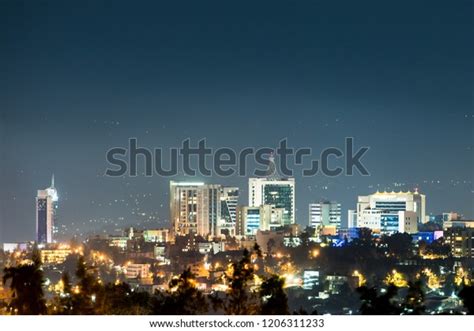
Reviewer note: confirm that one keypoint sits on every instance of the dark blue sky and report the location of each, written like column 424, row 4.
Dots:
column 79, row 77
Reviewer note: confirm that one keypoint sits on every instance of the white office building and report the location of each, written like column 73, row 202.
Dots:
column 389, row 212
column 351, row 218
column 46, row 205
column 324, row 214
column 279, row 193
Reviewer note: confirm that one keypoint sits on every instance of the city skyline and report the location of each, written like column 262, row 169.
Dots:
column 208, row 222
column 163, row 221
column 250, row 164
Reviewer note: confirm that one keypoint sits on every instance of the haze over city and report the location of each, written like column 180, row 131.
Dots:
column 256, row 164
column 77, row 81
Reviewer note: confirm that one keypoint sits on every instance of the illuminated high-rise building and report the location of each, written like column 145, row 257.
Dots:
column 229, row 197
column 46, row 205
column 459, row 235
column 252, row 219
column 390, row 212
column 325, row 213
column 279, row 193
column 203, row 209
column 184, row 207
column 351, row 218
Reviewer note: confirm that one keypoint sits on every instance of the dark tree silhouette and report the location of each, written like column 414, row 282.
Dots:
column 241, row 300
column 63, row 304
column 414, row 301
column 87, row 289
column 304, row 237
column 273, row 298
column 270, row 245
column 364, row 238
column 65, row 279
column 26, row 283
column 398, row 245
column 467, row 297
column 119, row 299
column 437, row 247
column 373, row 304
column 182, row 298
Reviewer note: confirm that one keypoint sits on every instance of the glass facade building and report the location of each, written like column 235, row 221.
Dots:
column 279, row 193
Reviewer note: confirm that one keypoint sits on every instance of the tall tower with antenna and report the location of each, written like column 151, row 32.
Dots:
column 272, row 172
column 46, row 205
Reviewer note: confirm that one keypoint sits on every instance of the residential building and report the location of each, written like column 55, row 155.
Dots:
column 157, row 235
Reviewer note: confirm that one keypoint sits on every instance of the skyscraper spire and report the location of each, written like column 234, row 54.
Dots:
column 272, row 172
column 52, row 181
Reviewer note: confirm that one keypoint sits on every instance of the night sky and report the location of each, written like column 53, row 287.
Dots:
column 80, row 77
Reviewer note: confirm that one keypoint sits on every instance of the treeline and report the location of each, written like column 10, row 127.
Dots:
column 88, row 296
